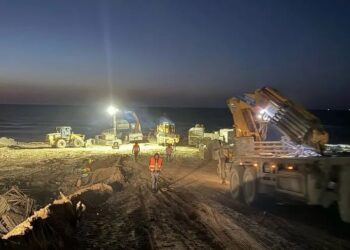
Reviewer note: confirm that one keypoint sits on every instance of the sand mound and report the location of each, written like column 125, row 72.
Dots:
column 6, row 142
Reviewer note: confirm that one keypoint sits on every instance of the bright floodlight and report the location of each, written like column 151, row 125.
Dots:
column 262, row 112
column 112, row 110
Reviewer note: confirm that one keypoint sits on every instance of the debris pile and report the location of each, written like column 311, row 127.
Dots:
column 93, row 172
column 6, row 142
column 52, row 226
column 15, row 207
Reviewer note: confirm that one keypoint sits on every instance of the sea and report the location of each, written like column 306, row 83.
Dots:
column 31, row 122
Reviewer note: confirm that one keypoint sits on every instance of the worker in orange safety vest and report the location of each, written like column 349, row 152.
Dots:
column 155, row 166
column 136, row 151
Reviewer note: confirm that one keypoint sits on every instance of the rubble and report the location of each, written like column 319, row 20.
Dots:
column 15, row 207
column 52, row 226
column 93, row 172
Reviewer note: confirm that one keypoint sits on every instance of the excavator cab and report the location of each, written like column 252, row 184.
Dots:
column 166, row 127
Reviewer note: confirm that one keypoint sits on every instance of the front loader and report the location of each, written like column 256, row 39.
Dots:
column 63, row 137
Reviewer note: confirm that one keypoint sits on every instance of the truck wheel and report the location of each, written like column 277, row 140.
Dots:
column 249, row 185
column 236, row 182
column 78, row 143
column 344, row 195
column 60, row 143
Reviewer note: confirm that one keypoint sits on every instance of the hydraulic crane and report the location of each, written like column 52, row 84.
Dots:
column 293, row 168
column 252, row 112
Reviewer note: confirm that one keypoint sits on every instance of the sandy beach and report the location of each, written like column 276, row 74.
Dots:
column 192, row 209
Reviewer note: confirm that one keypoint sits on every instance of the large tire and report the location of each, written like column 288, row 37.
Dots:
column 250, row 193
column 344, row 194
column 78, row 143
column 61, row 143
column 236, row 182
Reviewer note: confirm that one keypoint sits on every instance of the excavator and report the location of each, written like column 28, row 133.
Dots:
column 128, row 128
column 293, row 166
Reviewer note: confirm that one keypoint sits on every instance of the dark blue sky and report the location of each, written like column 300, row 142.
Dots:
column 173, row 53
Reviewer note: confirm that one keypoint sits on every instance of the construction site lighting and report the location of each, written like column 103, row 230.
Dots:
column 262, row 112
column 111, row 110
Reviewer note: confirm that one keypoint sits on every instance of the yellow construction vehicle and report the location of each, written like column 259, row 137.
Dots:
column 165, row 134
column 64, row 137
column 293, row 166
column 252, row 112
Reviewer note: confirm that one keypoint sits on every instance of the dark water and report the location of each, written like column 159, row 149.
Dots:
column 32, row 122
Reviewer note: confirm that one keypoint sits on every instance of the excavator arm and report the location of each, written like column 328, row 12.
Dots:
column 266, row 105
column 137, row 128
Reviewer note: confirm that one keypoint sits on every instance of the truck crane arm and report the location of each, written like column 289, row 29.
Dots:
column 266, row 105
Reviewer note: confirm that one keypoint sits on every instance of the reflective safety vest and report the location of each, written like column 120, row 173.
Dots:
column 155, row 165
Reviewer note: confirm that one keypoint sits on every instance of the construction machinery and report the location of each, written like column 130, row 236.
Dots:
column 107, row 138
column 197, row 135
column 64, row 136
column 293, row 166
column 165, row 134
column 127, row 129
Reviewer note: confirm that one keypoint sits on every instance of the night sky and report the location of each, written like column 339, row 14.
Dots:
column 173, row 52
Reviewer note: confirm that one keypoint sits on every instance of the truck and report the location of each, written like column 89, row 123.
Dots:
column 295, row 166
column 197, row 135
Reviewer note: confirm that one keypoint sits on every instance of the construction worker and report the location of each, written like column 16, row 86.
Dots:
column 136, row 151
column 168, row 152
column 155, row 166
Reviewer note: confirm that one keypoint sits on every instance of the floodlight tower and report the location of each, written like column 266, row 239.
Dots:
column 112, row 111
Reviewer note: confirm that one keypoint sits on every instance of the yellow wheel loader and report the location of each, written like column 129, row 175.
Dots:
column 64, row 137
column 165, row 134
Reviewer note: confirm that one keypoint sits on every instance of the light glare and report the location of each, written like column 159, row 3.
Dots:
column 112, row 110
